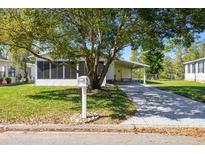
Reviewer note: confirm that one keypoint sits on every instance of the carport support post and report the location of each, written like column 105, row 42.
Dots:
column 144, row 76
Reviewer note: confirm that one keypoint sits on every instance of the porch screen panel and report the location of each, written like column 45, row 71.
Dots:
column 82, row 68
column 188, row 66
column 46, row 70
column 42, row 70
column 193, row 68
column 60, row 70
column 57, row 71
column 201, row 67
column 54, row 71
column 70, row 72
column 67, row 72
column 73, row 72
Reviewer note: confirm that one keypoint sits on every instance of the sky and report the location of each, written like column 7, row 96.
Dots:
column 127, row 51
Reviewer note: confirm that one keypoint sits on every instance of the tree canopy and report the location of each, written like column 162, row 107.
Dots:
column 96, row 33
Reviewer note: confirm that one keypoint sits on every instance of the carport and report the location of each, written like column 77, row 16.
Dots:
column 124, row 70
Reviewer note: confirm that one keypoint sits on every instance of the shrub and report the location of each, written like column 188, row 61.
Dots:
column 8, row 80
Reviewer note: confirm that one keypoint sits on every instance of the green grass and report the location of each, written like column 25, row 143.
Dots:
column 193, row 90
column 35, row 105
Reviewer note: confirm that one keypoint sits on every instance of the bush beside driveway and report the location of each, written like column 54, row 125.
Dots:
column 30, row 104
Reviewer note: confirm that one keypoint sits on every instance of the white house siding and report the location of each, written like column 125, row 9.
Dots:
column 57, row 82
column 122, row 72
column 111, row 72
column 199, row 77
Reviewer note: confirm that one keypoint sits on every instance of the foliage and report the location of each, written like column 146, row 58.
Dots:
column 8, row 79
column 154, row 58
column 168, row 69
column 178, row 64
column 196, row 51
column 134, row 55
column 95, row 33
column 173, row 66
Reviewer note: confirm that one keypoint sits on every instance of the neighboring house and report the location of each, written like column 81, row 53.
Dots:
column 7, row 70
column 195, row 70
column 47, row 74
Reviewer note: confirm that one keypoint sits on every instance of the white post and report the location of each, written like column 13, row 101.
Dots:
column 144, row 76
column 77, row 67
column 84, row 105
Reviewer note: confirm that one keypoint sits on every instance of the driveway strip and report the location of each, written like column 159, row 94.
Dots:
column 157, row 107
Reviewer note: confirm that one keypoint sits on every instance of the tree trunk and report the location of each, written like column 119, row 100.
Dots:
column 96, row 79
column 25, row 73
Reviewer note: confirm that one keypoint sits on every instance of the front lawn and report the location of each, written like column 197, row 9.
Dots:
column 193, row 90
column 35, row 105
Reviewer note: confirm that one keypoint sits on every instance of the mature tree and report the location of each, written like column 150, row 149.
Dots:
column 3, row 52
column 178, row 63
column 96, row 33
column 154, row 58
column 168, row 69
column 134, row 55
column 195, row 51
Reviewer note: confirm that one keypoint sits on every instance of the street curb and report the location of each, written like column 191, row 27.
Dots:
column 68, row 128
column 168, row 130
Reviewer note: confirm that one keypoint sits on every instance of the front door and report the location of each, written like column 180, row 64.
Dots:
column 118, row 74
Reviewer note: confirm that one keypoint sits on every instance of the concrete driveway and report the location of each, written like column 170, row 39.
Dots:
column 156, row 107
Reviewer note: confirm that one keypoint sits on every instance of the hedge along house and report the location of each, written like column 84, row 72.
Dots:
column 48, row 74
column 195, row 70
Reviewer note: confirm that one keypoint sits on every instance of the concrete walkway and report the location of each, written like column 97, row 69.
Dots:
column 156, row 107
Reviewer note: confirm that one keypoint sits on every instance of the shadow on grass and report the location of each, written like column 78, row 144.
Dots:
column 111, row 101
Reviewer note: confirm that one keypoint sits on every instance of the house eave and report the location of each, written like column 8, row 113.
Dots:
column 132, row 64
column 194, row 61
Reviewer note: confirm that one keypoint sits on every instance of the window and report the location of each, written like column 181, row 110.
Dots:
column 188, row 68
column 193, row 68
column 201, row 67
column 70, row 72
column 42, row 70
column 12, row 72
column 57, row 71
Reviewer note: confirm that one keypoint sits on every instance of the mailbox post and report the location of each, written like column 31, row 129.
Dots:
column 83, row 82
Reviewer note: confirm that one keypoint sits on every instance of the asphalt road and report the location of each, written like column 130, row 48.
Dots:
column 67, row 138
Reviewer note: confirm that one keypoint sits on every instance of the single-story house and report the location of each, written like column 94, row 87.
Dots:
column 48, row 74
column 16, row 74
column 195, row 70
